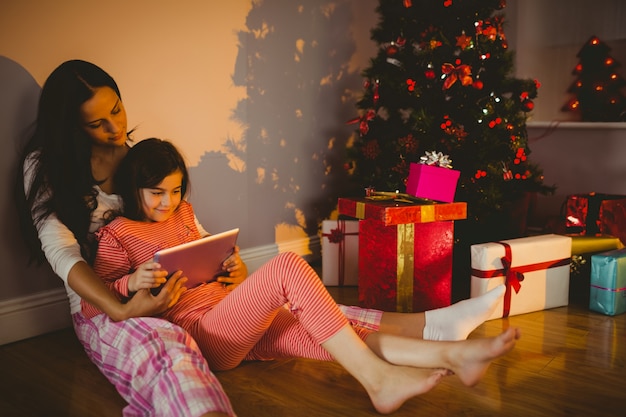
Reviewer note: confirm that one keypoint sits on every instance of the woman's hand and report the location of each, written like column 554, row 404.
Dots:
column 90, row 287
column 147, row 275
column 236, row 268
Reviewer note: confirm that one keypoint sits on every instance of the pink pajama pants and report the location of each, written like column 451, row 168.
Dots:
column 281, row 310
column 154, row 365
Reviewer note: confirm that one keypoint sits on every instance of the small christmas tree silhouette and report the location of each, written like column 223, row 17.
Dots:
column 442, row 82
column 597, row 88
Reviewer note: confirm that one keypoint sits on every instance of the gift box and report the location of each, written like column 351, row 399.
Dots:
column 590, row 244
column 432, row 182
column 534, row 269
column 583, row 212
column 340, row 252
column 406, row 267
column 608, row 283
column 392, row 210
column 405, row 251
column 583, row 247
column 612, row 218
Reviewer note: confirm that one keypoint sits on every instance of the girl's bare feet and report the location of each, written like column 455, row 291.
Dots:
column 470, row 360
column 401, row 383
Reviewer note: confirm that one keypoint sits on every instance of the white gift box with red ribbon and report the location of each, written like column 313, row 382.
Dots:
column 535, row 270
column 340, row 252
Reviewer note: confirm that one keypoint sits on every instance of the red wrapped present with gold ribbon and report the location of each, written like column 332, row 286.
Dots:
column 535, row 270
column 340, row 252
column 613, row 218
column 582, row 212
column 392, row 209
column 405, row 251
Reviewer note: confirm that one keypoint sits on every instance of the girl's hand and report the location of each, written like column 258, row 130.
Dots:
column 148, row 275
column 236, row 268
column 145, row 304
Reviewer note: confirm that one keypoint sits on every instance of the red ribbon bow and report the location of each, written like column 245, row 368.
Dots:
column 338, row 235
column 363, row 121
column 512, row 278
column 462, row 73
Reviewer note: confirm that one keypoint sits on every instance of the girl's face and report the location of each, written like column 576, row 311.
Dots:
column 159, row 203
column 104, row 118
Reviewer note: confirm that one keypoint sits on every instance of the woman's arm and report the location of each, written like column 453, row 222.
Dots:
column 92, row 289
column 63, row 254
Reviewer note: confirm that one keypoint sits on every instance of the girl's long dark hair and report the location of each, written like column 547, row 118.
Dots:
column 146, row 165
column 59, row 155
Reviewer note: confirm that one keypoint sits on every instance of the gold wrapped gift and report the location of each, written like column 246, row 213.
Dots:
column 593, row 244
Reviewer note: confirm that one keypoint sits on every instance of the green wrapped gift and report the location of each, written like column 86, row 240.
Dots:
column 608, row 282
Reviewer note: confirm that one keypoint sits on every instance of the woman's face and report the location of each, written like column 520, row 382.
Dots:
column 159, row 203
column 103, row 118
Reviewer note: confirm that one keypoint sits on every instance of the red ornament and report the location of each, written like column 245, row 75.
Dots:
column 528, row 105
column 408, row 3
column 480, row 174
column 478, row 85
column 463, row 41
column 410, row 84
column 429, row 74
column 371, row 150
column 363, row 121
column 392, row 50
column 447, row 3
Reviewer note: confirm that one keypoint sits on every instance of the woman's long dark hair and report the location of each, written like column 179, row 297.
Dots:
column 59, row 155
column 146, row 165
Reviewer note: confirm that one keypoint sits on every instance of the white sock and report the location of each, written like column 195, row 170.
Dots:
column 457, row 321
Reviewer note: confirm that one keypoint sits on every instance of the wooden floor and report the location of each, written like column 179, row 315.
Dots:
column 569, row 362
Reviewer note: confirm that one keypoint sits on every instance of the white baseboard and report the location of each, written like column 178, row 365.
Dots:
column 33, row 315
column 44, row 312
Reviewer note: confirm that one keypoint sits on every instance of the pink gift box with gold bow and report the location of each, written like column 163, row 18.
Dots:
column 535, row 270
column 432, row 182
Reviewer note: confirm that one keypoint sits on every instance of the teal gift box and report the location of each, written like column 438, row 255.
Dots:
column 608, row 282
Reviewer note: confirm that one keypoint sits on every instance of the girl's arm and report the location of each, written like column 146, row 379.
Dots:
column 63, row 254
column 237, row 269
column 113, row 264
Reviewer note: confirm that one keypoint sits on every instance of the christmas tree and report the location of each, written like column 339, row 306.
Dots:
column 597, row 88
column 442, row 82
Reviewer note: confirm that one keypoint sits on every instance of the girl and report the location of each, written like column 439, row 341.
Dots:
column 281, row 310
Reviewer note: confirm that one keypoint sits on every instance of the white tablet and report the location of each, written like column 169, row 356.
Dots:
column 200, row 260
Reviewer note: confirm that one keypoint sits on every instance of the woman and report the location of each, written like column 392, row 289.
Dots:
column 251, row 321
column 80, row 138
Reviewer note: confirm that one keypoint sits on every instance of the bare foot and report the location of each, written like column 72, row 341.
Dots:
column 471, row 358
column 402, row 383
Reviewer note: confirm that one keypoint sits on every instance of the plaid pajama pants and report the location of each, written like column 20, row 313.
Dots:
column 155, row 366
